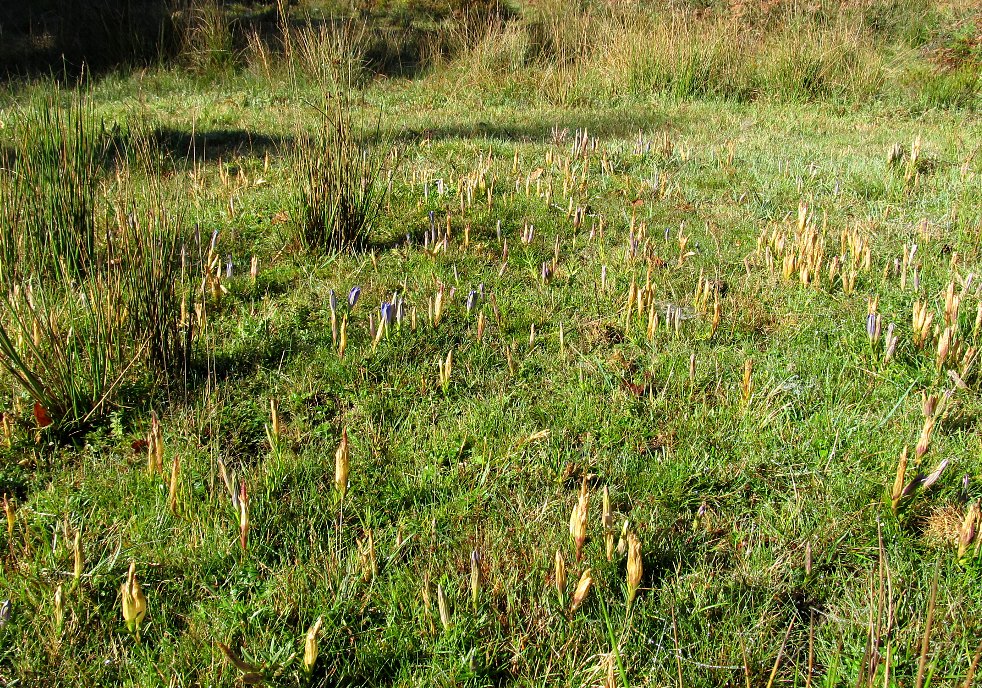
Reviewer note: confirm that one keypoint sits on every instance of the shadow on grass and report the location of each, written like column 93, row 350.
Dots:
column 213, row 144
column 561, row 126
column 210, row 145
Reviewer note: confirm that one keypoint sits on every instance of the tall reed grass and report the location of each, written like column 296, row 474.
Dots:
column 50, row 195
column 148, row 242
column 91, row 287
column 337, row 190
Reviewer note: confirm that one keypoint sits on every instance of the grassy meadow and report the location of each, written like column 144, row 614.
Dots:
column 470, row 345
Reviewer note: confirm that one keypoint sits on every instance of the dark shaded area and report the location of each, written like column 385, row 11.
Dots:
column 213, row 144
column 60, row 36
column 68, row 38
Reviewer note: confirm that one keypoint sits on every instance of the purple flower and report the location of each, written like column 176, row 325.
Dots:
column 228, row 267
column 891, row 343
column 933, row 477
column 333, row 301
column 873, row 325
column 471, row 300
column 386, row 313
column 353, row 296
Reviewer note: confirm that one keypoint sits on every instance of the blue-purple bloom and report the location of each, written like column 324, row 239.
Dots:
column 386, row 313
column 353, row 296
column 471, row 300
column 873, row 325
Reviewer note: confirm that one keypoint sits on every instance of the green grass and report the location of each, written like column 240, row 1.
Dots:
column 725, row 493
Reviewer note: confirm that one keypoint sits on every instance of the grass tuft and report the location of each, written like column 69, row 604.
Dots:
column 337, row 166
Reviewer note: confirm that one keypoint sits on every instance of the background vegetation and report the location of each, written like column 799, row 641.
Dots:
column 472, row 344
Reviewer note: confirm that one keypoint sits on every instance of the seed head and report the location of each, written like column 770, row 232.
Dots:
column 134, row 602
column 968, row 532
column 310, row 645
column 578, row 519
column 560, row 575
column 342, row 465
column 635, row 569
column 582, row 589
